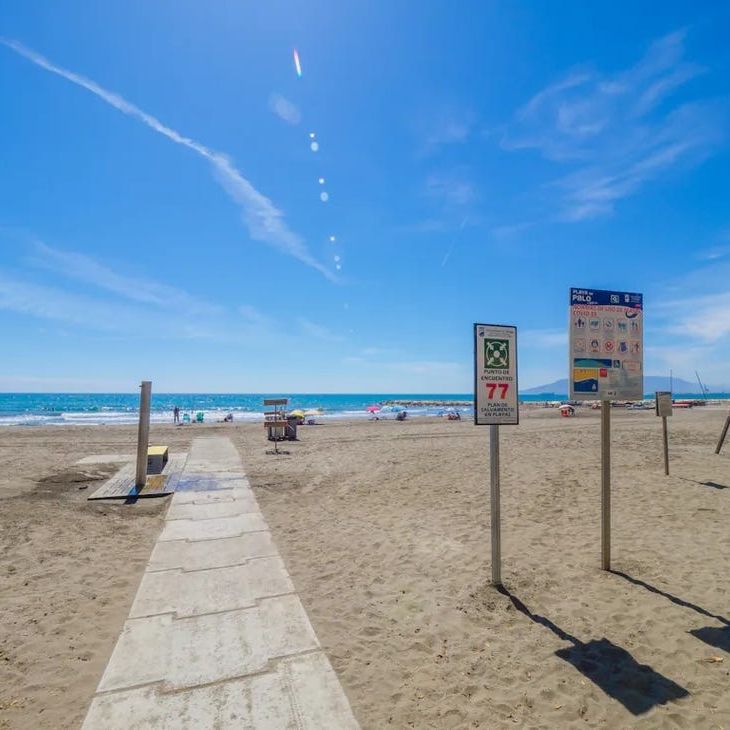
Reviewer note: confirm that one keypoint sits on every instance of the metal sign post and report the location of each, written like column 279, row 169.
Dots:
column 495, row 404
column 606, row 364
column 663, row 405
column 495, row 505
column 143, row 433
column 606, row 485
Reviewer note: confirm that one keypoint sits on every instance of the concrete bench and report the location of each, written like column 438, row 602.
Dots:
column 156, row 459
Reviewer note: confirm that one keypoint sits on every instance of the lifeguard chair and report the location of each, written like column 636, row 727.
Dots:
column 275, row 421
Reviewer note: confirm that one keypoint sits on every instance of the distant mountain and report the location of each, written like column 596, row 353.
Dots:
column 651, row 383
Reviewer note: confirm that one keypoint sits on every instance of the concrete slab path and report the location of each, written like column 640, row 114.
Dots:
column 217, row 636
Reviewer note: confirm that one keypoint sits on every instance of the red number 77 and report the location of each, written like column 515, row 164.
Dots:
column 492, row 387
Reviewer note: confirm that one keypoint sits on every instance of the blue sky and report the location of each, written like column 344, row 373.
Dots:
column 161, row 212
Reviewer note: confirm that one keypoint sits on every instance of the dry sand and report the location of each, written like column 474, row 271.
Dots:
column 384, row 529
column 69, row 568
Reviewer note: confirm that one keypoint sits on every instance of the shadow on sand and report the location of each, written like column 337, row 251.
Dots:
column 717, row 636
column 706, row 483
column 714, row 485
column 636, row 686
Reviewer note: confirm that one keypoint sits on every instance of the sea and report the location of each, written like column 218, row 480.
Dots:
column 63, row 409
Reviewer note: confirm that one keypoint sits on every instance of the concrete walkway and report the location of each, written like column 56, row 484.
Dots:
column 216, row 636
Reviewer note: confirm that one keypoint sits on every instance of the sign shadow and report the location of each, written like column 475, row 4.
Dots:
column 706, row 483
column 717, row 636
column 611, row 668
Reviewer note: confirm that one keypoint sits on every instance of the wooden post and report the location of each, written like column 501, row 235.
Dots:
column 723, row 434
column 606, row 485
column 666, row 445
column 496, row 517
column 143, row 433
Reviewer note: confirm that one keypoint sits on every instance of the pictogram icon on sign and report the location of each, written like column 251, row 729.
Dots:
column 496, row 354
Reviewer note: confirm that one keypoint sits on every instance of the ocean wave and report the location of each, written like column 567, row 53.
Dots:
column 51, row 409
column 106, row 416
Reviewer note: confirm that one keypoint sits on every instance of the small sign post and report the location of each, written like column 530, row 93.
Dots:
column 723, row 434
column 664, row 409
column 606, row 363
column 495, row 404
column 606, row 484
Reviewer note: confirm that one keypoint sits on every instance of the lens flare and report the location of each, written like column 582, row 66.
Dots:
column 297, row 64
column 321, row 181
column 332, row 239
column 324, row 196
column 314, row 146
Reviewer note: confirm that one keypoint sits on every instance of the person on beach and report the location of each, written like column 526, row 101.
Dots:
column 176, row 415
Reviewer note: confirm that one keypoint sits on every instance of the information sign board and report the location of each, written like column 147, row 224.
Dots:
column 495, row 375
column 606, row 345
column 663, row 403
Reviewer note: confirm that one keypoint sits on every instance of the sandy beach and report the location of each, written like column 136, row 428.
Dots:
column 384, row 528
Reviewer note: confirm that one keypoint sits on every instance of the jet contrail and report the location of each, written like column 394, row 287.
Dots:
column 453, row 243
column 264, row 220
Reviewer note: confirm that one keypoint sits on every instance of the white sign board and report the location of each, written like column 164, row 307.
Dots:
column 495, row 375
column 606, row 345
column 663, row 403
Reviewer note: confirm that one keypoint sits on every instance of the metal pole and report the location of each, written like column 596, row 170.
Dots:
column 606, row 485
column 143, row 433
column 666, row 445
column 722, row 435
column 496, row 519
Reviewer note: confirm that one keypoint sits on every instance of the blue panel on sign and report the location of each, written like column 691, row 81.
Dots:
column 600, row 296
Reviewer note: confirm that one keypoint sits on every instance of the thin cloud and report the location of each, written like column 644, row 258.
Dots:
column 253, row 315
column 510, row 231
column 686, row 359
column 620, row 131
column 425, row 367
column 52, row 303
column 447, row 129
column 285, row 109
column 544, row 338
column 264, row 220
column 714, row 253
column 119, row 316
column 453, row 190
column 55, row 385
column 428, row 225
column 705, row 318
column 137, row 289
column 317, row 331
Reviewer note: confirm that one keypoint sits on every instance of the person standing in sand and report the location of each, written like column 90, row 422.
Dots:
column 176, row 415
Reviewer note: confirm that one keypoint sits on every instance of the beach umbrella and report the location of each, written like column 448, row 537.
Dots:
column 313, row 412
column 299, row 413
column 372, row 409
